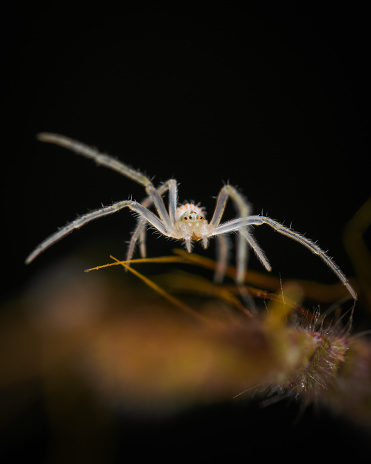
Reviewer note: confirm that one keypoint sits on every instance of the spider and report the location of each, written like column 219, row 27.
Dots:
column 185, row 222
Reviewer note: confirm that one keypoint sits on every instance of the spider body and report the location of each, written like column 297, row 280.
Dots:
column 191, row 225
column 185, row 222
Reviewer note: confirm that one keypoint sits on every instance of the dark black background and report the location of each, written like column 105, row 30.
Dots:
column 273, row 98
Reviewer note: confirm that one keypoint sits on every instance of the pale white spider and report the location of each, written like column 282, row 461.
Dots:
column 186, row 222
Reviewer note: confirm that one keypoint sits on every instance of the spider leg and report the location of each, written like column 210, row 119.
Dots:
column 115, row 165
column 172, row 187
column 81, row 221
column 142, row 241
column 223, row 247
column 188, row 244
column 313, row 247
column 243, row 208
column 232, row 226
column 277, row 226
column 140, row 230
column 237, row 224
column 258, row 251
column 138, row 233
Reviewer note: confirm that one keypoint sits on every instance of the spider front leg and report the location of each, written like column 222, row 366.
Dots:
column 313, row 247
column 244, row 209
column 115, row 165
column 163, row 223
column 145, row 213
column 237, row 224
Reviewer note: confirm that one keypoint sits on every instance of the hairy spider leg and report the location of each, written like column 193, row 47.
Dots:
column 139, row 232
column 236, row 224
column 244, row 209
column 258, row 251
column 223, row 247
column 223, row 252
column 81, row 221
column 115, row 165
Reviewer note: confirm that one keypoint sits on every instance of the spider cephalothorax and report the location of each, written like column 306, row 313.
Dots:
column 185, row 222
column 190, row 223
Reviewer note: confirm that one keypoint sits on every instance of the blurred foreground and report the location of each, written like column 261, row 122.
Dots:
column 79, row 350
